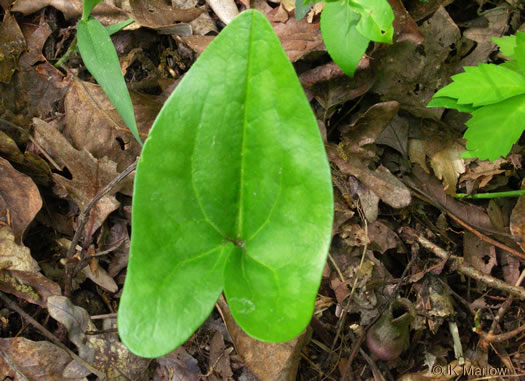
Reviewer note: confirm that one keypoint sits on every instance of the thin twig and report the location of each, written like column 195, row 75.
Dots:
column 43, row 330
column 463, row 268
column 483, row 237
column 84, row 217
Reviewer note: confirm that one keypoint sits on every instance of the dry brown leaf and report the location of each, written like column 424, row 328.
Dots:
column 104, row 352
column 382, row 238
column 479, row 254
column 20, row 199
column 415, row 87
column 405, row 28
column 497, row 25
column 448, row 165
column 267, row 361
column 101, row 277
column 298, row 38
column 219, row 362
column 36, row 360
column 12, row 44
column 89, row 174
column 483, row 171
column 517, row 220
column 95, row 125
column 178, row 363
column 104, row 12
column 30, row 286
column 156, row 14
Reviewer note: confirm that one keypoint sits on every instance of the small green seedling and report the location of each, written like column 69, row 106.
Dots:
column 232, row 193
column 348, row 26
column 495, row 96
column 100, row 58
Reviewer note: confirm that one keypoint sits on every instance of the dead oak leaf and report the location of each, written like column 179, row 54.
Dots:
column 20, row 199
column 36, row 360
column 89, row 175
column 12, row 44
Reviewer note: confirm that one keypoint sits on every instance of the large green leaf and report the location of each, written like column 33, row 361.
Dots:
column 376, row 20
column 100, row 58
column 483, row 85
column 343, row 41
column 493, row 129
column 232, row 190
column 520, row 51
column 506, row 44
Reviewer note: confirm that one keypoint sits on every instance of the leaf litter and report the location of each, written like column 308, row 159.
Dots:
column 395, row 165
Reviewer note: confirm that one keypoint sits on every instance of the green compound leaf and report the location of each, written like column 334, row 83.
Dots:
column 450, row 103
column 507, row 45
column 100, row 58
column 233, row 191
column 483, row 85
column 376, row 19
column 493, row 129
column 345, row 44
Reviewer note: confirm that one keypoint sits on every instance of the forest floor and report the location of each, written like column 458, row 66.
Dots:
column 404, row 248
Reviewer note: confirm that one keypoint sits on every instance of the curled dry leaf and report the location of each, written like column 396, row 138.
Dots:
column 179, row 363
column 352, row 155
column 12, row 44
column 405, row 28
column 36, row 360
column 158, row 15
column 104, row 352
column 101, row 277
column 448, row 165
column 226, row 10
column 30, row 286
column 267, row 361
column 89, row 174
column 479, row 254
column 20, row 199
column 94, row 124
column 104, row 12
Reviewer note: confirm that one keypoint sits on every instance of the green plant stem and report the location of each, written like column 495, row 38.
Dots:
column 515, row 193
column 69, row 51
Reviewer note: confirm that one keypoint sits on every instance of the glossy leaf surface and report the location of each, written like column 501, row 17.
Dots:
column 100, row 58
column 376, row 19
column 232, row 191
column 345, row 44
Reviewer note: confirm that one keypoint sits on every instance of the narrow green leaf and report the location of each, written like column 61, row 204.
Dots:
column 506, row 44
column 343, row 41
column 483, row 85
column 100, row 58
column 493, row 129
column 88, row 7
column 232, row 190
column 376, row 19
column 112, row 29
column 450, row 103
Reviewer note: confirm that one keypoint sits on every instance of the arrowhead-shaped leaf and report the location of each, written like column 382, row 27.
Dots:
column 232, row 191
column 100, row 58
column 343, row 41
